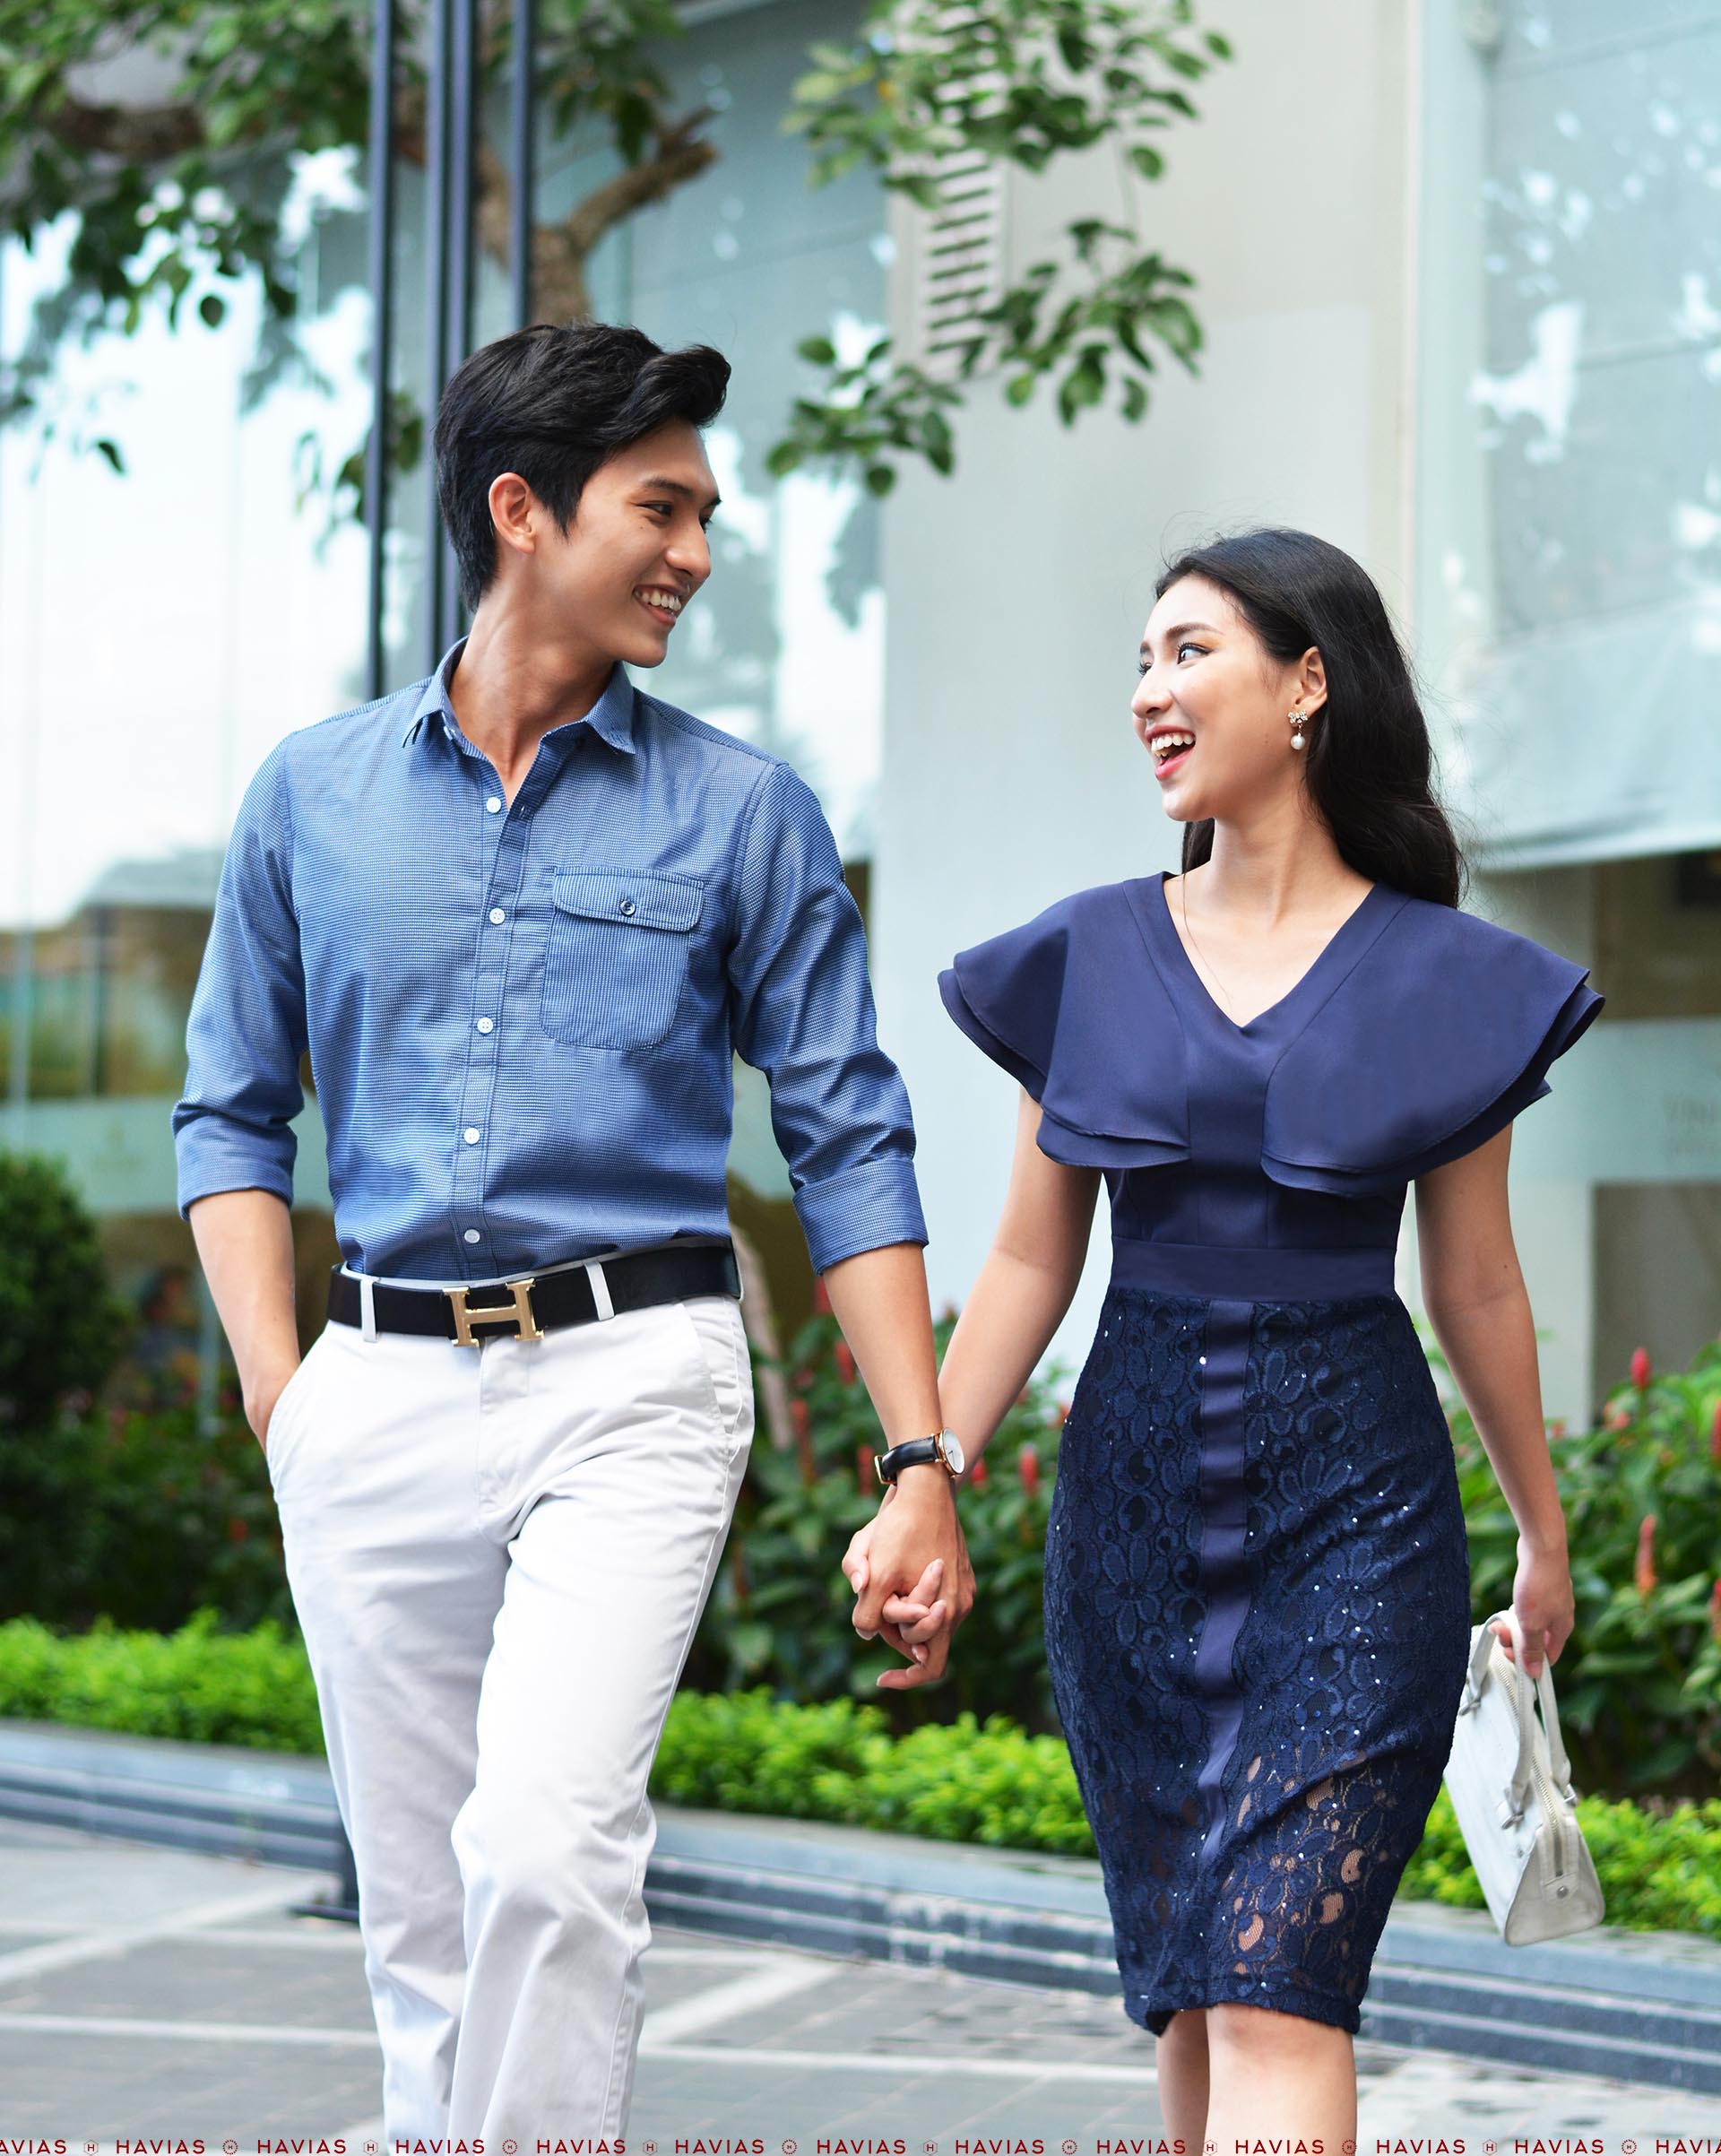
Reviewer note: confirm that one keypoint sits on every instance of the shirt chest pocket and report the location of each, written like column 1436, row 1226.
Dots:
column 617, row 959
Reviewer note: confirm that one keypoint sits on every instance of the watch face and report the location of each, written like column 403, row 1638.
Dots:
column 953, row 1452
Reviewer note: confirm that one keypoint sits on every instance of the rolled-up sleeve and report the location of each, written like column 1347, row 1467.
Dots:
column 232, row 1130
column 803, row 1014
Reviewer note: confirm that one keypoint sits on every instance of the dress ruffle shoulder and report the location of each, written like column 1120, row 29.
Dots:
column 1071, row 1006
column 1432, row 1034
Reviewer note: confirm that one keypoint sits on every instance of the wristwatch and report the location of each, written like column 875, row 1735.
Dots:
column 944, row 1448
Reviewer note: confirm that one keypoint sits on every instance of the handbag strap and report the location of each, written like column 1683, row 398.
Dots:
column 1558, row 1759
column 1526, row 1695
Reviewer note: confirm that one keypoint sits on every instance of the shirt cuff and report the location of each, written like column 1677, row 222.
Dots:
column 864, row 1209
column 217, row 1162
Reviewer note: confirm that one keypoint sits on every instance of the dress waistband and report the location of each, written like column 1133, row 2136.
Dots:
column 1253, row 1275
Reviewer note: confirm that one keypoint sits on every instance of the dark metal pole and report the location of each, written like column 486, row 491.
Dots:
column 462, row 137
column 522, row 160
column 382, row 325
column 436, row 309
column 344, row 1901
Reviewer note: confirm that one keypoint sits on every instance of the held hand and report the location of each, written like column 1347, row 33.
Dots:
column 1543, row 1611
column 916, row 1529
column 909, row 1620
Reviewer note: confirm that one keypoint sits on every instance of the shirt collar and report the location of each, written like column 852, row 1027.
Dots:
column 612, row 715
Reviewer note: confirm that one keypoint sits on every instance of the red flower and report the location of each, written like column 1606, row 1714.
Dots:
column 866, row 1479
column 1646, row 1555
column 1641, row 1372
column 236, row 1530
column 1715, row 1613
column 1618, row 1418
column 1714, row 1436
column 1557, row 1427
column 1028, row 1461
column 845, row 1362
column 977, row 1475
column 800, row 1415
column 1061, row 1413
column 821, row 1297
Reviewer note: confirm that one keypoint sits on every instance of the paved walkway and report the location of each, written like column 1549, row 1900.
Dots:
column 153, row 1996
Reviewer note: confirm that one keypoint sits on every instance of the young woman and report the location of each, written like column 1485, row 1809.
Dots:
column 1257, row 1586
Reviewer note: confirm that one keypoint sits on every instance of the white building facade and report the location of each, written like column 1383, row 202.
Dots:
column 1409, row 224
column 1459, row 269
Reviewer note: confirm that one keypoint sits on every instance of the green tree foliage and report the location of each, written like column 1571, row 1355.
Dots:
column 1018, row 82
column 177, row 180
column 61, row 1329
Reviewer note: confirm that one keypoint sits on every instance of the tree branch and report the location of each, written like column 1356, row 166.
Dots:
column 138, row 134
column 560, row 253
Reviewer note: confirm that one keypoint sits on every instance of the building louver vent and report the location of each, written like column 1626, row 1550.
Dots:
column 961, row 253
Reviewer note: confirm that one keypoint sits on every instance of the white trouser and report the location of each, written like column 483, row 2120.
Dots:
column 498, row 1555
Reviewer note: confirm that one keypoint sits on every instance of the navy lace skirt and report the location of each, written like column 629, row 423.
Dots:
column 1256, row 1621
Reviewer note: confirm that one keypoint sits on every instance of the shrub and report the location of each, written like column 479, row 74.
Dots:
column 61, row 1328
column 1640, row 1679
column 1660, row 1869
column 992, row 1783
column 144, row 1518
column 61, row 1331
column 199, row 1683
column 781, row 1610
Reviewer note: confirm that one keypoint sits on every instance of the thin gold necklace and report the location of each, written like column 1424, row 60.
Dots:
column 1183, row 895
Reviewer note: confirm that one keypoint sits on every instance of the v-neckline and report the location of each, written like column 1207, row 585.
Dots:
column 1299, row 988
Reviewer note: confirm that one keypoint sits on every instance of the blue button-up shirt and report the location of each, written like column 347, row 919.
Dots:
column 521, row 1016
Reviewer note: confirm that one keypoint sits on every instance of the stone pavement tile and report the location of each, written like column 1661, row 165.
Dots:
column 677, row 1969
column 1050, row 2108
column 57, row 1876
column 97, row 2088
column 1433, row 2094
column 673, row 2102
column 194, row 1980
column 752, row 2040
column 869, row 2008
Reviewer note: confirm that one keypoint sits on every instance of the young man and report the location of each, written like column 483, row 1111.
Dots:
column 521, row 914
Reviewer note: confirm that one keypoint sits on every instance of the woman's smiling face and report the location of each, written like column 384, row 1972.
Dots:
column 1213, row 704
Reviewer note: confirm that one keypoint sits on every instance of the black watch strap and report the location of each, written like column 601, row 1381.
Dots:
column 915, row 1452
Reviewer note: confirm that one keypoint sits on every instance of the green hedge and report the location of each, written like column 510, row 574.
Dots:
column 990, row 1783
column 208, row 1686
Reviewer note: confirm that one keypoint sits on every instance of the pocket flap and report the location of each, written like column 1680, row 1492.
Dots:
column 630, row 896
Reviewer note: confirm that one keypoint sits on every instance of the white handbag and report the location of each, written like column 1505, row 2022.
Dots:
column 1510, row 1781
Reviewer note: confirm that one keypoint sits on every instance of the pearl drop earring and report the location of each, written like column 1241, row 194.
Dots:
column 1297, row 740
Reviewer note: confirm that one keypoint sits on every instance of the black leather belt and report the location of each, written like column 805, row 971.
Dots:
column 535, row 1303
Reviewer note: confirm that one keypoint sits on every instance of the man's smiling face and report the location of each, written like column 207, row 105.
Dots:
column 635, row 551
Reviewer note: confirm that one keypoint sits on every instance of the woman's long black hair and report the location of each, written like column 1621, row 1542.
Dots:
column 1369, row 758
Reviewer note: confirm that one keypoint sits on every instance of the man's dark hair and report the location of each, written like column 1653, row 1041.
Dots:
column 553, row 402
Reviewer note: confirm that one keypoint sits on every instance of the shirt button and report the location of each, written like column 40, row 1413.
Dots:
column 472, row 1235
column 493, row 805
column 487, row 1026
column 471, row 1134
column 628, row 907
column 498, row 915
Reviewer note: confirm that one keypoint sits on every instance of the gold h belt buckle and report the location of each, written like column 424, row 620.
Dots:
column 520, row 1316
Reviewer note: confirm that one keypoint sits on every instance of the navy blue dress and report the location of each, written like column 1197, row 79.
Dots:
column 1257, row 1597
